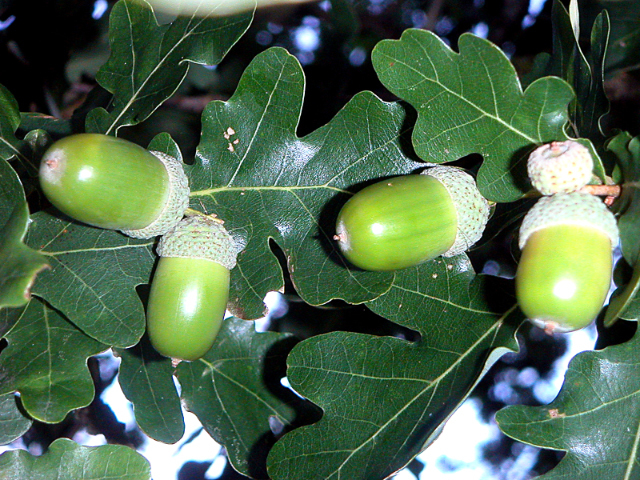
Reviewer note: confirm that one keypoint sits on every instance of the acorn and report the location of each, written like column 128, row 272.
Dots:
column 560, row 167
column 565, row 270
column 190, row 287
column 112, row 183
column 404, row 221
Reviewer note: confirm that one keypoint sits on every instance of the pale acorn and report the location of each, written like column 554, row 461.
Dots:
column 560, row 167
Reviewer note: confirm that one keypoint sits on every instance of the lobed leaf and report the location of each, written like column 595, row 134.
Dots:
column 594, row 418
column 472, row 102
column 148, row 61
column 46, row 361
column 19, row 264
column 235, row 392
column 624, row 303
column 267, row 184
column 385, row 399
column 13, row 423
column 67, row 459
column 93, row 277
column 146, row 379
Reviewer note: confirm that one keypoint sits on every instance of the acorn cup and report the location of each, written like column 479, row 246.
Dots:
column 565, row 270
column 112, row 183
column 190, row 287
column 560, row 167
column 404, row 221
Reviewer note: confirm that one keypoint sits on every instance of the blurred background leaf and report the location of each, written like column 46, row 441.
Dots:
column 67, row 459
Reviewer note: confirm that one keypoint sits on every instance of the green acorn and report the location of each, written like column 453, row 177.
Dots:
column 112, row 183
column 404, row 221
column 190, row 287
column 560, row 167
column 565, row 270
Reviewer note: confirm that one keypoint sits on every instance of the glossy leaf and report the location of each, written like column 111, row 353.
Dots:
column 266, row 183
column 46, row 361
column 93, row 277
column 472, row 102
column 594, row 418
column 146, row 379
column 67, row 459
column 149, row 61
column 19, row 264
column 13, row 423
column 235, row 391
column 384, row 398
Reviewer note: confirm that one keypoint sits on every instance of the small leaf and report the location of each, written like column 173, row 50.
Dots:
column 13, row 423
column 46, row 361
column 146, row 379
column 19, row 264
column 472, row 102
column 266, row 183
column 627, row 150
column 623, row 303
column 594, row 418
column 234, row 390
column 384, row 398
column 93, row 277
column 10, row 146
column 149, row 61
column 66, row 459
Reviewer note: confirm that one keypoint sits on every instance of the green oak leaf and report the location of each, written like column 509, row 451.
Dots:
column 19, row 264
column 584, row 72
column 13, row 423
column 627, row 151
column 148, row 61
column 624, row 48
column 46, row 361
column 268, row 184
column 146, row 379
column 66, row 459
column 56, row 127
column 472, row 102
column 594, row 418
column 235, row 391
column 625, row 301
column 384, row 398
column 93, row 277
column 10, row 146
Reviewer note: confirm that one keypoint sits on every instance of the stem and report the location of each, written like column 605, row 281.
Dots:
column 602, row 190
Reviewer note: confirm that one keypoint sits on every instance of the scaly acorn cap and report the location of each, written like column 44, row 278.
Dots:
column 560, row 167
column 177, row 201
column 200, row 236
column 472, row 208
column 569, row 208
